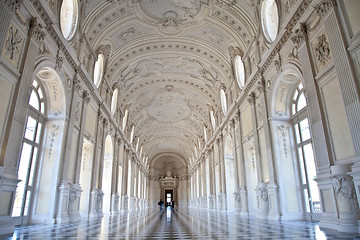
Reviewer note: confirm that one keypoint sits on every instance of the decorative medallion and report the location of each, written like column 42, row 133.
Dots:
column 169, row 107
column 170, row 15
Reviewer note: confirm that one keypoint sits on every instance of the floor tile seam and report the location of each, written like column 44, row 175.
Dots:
column 183, row 216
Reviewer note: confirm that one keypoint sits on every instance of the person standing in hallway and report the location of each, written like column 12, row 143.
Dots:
column 161, row 203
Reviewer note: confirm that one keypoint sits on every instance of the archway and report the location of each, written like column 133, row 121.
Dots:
column 40, row 158
column 294, row 154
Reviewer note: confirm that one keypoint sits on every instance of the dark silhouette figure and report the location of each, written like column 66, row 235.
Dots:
column 161, row 204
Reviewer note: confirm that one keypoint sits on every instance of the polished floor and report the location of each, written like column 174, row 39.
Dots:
column 178, row 224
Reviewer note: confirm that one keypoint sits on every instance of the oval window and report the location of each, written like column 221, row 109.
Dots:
column 270, row 19
column 239, row 71
column 69, row 18
column 99, row 70
column 223, row 101
column 114, row 101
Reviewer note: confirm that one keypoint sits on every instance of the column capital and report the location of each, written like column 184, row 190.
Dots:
column 251, row 98
column 324, row 7
column 36, row 30
column 299, row 35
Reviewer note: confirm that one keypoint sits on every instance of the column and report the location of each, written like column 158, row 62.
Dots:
column 17, row 114
column 241, row 166
column 96, row 193
column 124, row 182
column 324, row 156
column 272, row 186
column 115, row 180
column 261, row 190
column 204, row 182
column 75, row 188
column 349, row 87
column 63, row 191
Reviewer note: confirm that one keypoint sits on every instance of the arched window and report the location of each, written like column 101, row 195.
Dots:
column 31, row 144
column 114, row 101
column 239, row 71
column 69, row 18
column 99, row 70
column 305, row 151
column 223, row 101
column 270, row 19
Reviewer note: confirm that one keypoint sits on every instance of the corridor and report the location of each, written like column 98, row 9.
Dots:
column 182, row 223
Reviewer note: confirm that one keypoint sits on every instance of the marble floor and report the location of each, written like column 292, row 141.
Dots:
column 177, row 224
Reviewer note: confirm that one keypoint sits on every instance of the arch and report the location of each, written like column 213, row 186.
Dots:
column 50, row 130
column 287, row 149
column 281, row 90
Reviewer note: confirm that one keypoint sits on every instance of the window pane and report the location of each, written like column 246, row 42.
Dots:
column 306, row 196
column 42, row 107
column 22, row 175
column 19, row 195
column 35, row 84
column 24, row 162
column 34, row 101
column 305, row 131
column 293, row 108
column 311, row 171
column 302, row 168
column 301, row 102
column 40, row 93
column 38, row 133
column 33, row 163
column 295, row 94
column 297, row 134
column 300, row 86
column 26, row 208
column 30, row 128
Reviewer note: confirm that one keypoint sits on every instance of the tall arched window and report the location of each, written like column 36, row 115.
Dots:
column 69, row 18
column 31, row 144
column 305, row 151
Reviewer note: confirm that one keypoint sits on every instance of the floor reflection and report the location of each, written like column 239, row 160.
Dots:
column 185, row 223
column 168, row 214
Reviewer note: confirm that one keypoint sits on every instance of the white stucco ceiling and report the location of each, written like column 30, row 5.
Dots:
column 169, row 59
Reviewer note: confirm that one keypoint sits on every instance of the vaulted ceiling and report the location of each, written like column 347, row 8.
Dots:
column 169, row 59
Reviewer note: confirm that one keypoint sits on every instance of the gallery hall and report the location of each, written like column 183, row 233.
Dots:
column 179, row 119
